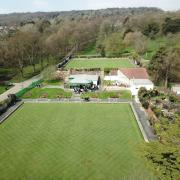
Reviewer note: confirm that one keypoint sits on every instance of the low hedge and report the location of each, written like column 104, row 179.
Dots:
column 31, row 86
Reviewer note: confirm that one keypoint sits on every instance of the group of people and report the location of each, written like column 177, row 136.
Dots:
column 82, row 89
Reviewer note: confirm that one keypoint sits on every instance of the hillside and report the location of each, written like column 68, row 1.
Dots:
column 17, row 18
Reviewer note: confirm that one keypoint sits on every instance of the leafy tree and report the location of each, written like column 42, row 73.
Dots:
column 114, row 45
column 150, row 30
column 164, row 62
column 49, row 73
column 43, row 25
column 136, row 40
column 32, row 42
column 165, row 158
column 17, row 52
column 171, row 25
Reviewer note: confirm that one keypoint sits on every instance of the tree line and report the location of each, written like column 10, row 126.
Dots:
column 138, row 36
column 32, row 45
column 128, row 32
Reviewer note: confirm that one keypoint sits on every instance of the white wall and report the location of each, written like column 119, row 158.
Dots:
column 111, row 78
column 119, row 78
column 135, row 88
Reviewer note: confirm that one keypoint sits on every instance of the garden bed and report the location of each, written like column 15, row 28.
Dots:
column 50, row 93
column 124, row 94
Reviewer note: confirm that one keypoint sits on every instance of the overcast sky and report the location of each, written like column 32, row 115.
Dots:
column 7, row 6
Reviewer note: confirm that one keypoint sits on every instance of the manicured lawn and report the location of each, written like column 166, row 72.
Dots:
column 83, row 63
column 71, row 141
column 106, row 94
column 51, row 93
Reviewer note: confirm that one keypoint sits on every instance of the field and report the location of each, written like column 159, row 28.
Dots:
column 83, row 63
column 71, row 141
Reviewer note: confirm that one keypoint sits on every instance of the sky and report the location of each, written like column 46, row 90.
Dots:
column 8, row 6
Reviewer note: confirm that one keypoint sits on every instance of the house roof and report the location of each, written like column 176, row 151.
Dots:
column 135, row 73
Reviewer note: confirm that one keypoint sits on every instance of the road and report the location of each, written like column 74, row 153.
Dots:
column 18, row 86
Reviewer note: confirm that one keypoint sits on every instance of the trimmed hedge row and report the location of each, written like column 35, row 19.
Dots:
column 31, row 86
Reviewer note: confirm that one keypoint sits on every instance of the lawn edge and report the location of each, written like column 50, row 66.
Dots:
column 139, row 123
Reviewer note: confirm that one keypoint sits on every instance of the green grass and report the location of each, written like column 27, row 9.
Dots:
column 28, row 73
column 2, row 89
column 153, row 46
column 112, row 94
column 90, row 49
column 71, row 141
column 53, row 82
column 83, row 63
column 51, row 93
column 15, row 76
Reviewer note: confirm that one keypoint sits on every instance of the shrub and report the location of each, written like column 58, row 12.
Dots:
column 154, row 93
column 143, row 94
column 107, row 83
column 4, row 105
column 86, row 97
column 173, row 98
column 145, row 104
column 157, row 111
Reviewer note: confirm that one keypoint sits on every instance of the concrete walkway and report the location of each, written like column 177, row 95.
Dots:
column 143, row 119
column 18, row 86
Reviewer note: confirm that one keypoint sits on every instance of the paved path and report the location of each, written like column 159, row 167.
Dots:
column 143, row 119
column 18, row 86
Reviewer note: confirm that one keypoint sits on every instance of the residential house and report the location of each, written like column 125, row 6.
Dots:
column 132, row 78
